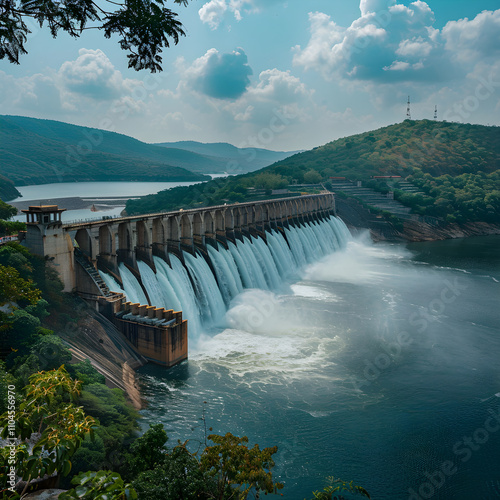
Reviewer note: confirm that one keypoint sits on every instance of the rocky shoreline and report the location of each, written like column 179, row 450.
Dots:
column 419, row 231
column 358, row 218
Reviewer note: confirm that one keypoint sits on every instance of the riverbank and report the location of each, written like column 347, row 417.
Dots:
column 357, row 218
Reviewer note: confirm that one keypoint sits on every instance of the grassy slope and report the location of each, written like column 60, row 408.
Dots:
column 434, row 148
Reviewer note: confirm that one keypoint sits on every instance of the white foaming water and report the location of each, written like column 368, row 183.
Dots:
column 181, row 284
column 204, row 292
column 282, row 255
column 131, row 286
column 207, row 290
column 111, row 283
column 313, row 292
column 357, row 262
column 268, row 340
column 150, row 282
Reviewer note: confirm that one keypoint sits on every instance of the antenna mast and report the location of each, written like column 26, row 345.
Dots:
column 408, row 114
column 436, row 112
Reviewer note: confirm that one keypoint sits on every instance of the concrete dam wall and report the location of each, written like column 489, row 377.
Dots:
column 134, row 256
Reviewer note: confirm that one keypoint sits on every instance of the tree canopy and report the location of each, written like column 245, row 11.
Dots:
column 145, row 27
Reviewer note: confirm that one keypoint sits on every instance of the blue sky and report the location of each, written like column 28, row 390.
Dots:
column 282, row 75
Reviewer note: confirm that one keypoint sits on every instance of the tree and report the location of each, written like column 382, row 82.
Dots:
column 144, row 26
column 61, row 428
column 14, row 288
column 335, row 486
column 238, row 468
column 177, row 477
column 101, row 485
column 6, row 211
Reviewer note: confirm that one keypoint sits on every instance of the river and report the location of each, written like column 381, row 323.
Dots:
column 378, row 363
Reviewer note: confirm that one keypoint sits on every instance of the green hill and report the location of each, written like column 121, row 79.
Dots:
column 437, row 148
column 43, row 151
column 455, row 165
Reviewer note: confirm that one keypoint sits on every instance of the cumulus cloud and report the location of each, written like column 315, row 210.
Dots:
column 221, row 76
column 86, row 87
column 474, row 39
column 397, row 42
column 387, row 38
column 212, row 12
column 35, row 93
column 92, row 75
column 279, row 86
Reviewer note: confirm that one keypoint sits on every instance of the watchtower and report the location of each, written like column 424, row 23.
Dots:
column 46, row 237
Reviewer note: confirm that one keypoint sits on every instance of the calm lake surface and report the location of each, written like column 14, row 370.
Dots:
column 94, row 189
column 378, row 364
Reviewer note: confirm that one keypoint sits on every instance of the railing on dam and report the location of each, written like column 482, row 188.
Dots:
column 131, row 218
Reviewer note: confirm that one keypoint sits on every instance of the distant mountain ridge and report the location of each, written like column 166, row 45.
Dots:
column 44, row 151
column 239, row 160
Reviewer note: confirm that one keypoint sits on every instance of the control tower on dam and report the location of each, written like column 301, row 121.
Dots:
column 81, row 252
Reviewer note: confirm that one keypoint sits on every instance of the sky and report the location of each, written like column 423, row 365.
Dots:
column 281, row 75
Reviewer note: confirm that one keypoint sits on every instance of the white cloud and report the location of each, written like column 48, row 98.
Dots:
column 370, row 6
column 221, row 76
column 479, row 38
column 386, row 36
column 212, row 12
column 279, row 86
column 93, row 75
column 415, row 47
column 81, row 91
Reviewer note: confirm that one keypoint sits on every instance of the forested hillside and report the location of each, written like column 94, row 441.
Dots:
column 437, row 148
column 454, row 164
column 7, row 189
column 42, row 151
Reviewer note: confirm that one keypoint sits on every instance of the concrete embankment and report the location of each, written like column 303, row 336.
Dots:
column 97, row 339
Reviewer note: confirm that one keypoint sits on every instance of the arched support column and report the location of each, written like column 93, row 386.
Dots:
column 126, row 244
column 143, row 248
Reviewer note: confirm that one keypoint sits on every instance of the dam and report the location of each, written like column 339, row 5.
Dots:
column 148, row 273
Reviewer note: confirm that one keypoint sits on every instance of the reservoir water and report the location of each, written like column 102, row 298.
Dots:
column 94, row 192
column 377, row 363
column 94, row 189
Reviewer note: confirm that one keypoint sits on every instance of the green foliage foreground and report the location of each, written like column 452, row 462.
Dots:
column 47, row 429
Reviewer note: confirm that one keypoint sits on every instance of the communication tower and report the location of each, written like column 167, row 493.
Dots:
column 435, row 112
column 408, row 114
